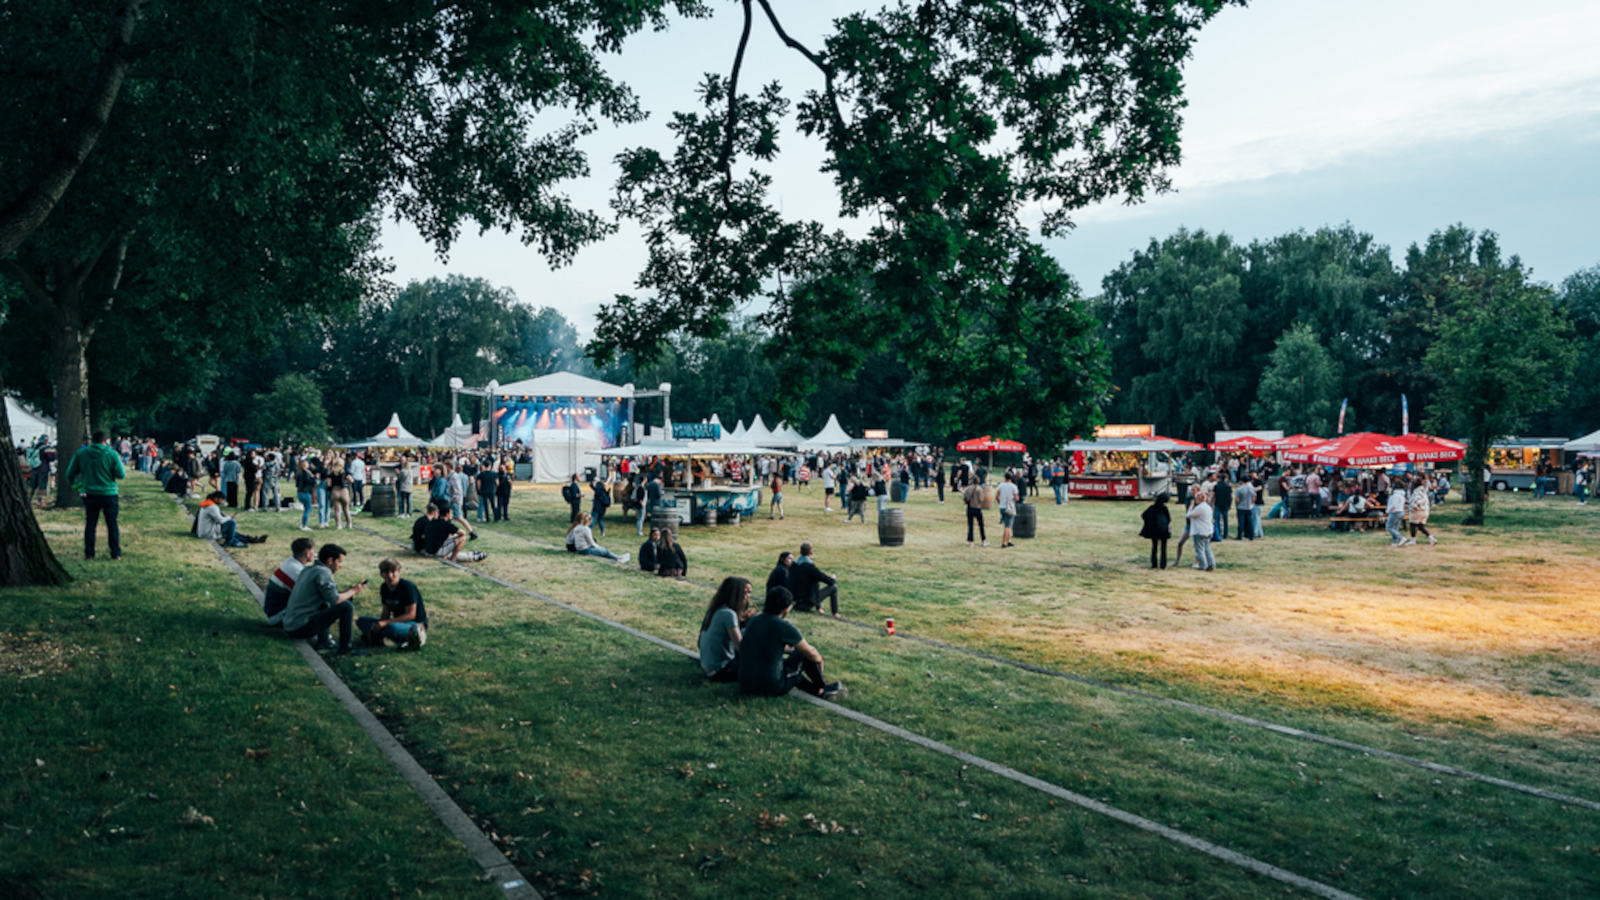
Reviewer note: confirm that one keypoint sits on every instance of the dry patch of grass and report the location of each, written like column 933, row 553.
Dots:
column 34, row 655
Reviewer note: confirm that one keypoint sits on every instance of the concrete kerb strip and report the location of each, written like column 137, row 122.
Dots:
column 1200, row 709
column 499, row 870
column 1224, row 854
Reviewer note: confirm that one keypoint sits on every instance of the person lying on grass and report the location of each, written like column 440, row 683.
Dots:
column 214, row 525
column 581, row 540
column 441, row 538
column 281, row 584
column 719, row 630
column 774, row 657
column 405, row 618
column 316, row 602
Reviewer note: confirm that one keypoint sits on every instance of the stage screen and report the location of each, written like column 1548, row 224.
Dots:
column 539, row 421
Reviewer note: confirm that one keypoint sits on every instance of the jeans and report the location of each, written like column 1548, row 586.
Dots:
column 1220, row 527
column 601, row 552
column 322, row 504
column 640, row 524
column 1581, row 491
column 1203, row 558
column 975, row 515
column 94, row 506
column 230, row 534
column 399, row 632
column 317, row 625
column 883, row 504
column 483, row 507
column 1255, row 522
column 1280, row 511
column 1057, row 489
column 1392, row 525
column 402, row 503
column 269, row 494
column 819, row 593
column 502, row 508
column 599, row 524
column 305, row 509
column 356, row 495
column 1246, row 530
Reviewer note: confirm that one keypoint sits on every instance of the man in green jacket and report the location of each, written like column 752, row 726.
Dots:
column 94, row 472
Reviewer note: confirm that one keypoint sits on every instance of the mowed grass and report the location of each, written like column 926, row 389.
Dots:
column 606, row 764
column 155, row 744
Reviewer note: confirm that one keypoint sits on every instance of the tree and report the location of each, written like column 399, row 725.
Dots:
column 1502, row 353
column 291, row 412
column 942, row 124
column 1299, row 389
column 1579, row 301
column 1177, row 330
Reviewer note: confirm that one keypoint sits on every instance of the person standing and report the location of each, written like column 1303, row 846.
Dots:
column 231, row 472
column 95, row 470
column 487, row 481
column 1396, row 514
column 271, row 470
column 357, row 471
column 1220, row 500
column 858, row 500
column 938, row 477
column 1419, row 504
column 972, row 494
column 829, row 481
column 601, row 503
column 1201, row 528
column 502, row 495
column 339, row 495
column 252, row 480
column 573, row 494
column 1580, row 483
column 1157, row 529
column 880, row 490
column 305, row 487
column 1245, row 504
column 775, row 509
column 1005, row 497
column 402, row 487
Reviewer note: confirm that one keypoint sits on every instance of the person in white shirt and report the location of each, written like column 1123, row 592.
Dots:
column 1005, row 497
column 358, row 480
column 829, row 482
column 1396, row 513
column 581, row 540
column 281, row 584
column 1201, row 527
column 1418, row 505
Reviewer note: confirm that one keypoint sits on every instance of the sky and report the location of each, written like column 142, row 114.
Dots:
column 1399, row 117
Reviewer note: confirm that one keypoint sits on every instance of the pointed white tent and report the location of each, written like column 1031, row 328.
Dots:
column 738, row 430
column 832, row 436
column 457, row 436
column 393, row 435
column 784, row 436
column 715, row 420
column 28, row 426
column 758, row 433
column 1589, row 443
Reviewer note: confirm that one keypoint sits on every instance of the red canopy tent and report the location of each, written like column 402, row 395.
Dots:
column 980, row 444
column 1244, row 442
column 1365, row 448
column 1294, row 441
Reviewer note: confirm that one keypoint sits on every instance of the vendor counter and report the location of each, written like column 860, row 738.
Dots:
column 692, row 506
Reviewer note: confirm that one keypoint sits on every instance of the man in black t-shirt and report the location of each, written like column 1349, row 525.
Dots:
column 405, row 618
column 419, row 528
column 774, row 657
column 442, row 539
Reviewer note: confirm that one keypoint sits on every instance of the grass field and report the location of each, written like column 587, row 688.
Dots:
column 605, row 764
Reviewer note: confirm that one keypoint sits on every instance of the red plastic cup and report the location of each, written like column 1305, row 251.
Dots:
column 888, row 626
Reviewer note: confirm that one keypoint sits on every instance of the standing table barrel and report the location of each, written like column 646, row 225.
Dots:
column 665, row 520
column 892, row 527
column 381, row 501
column 1299, row 504
column 988, row 497
column 1027, row 523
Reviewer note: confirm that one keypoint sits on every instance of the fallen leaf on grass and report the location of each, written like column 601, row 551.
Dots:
column 766, row 821
column 192, row 817
column 257, row 755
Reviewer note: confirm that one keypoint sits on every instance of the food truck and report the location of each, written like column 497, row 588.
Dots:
column 1514, row 461
column 1128, row 462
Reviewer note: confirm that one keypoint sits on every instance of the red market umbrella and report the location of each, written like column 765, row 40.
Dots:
column 1365, row 448
column 1295, row 441
column 1243, row 442
column 980, row 444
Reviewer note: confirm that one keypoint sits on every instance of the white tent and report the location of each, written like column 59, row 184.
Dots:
column 758, row 433
column 785, row 436
column 1589, row 443
column 559, row 452
column 393, row 435
column 457, row 436
column 831, row 437
column 27, row 425
column 738, row 430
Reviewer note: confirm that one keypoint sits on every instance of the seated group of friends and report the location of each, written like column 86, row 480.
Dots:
column 303, row 598
column 436, row 534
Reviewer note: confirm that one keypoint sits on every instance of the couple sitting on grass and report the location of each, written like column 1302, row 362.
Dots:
column 312, row 602
column 436, row 534
column 764, row 652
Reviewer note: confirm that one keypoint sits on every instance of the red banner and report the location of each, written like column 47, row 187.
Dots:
column 1113, row 488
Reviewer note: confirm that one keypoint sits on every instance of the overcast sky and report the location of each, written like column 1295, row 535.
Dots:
column 1397, row 116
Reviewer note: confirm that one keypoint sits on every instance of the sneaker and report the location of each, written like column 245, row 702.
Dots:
column 986, row 543
column 474, row 536
column 834, row 691
column 1432, row 540
column 415, row 640
column 478, row 556
column 305, row 527
column 621, row 560
column 324, row 644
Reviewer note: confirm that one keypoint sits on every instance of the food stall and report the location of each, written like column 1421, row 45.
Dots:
column 693, row 489
column 1514, row 462
column 1128, row 462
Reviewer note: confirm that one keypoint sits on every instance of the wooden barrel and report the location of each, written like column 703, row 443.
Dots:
column 1299, row 504
column 892, row 527
column 381, row 501
column 1027, row 522
column 988, row 497
column 666, row 520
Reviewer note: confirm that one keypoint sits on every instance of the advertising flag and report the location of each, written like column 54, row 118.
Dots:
column 1342, row 407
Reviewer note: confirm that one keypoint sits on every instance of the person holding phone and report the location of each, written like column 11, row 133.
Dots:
column 316, row 603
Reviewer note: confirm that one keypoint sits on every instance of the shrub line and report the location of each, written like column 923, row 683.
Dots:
column 495, row 865
column 1233, row 857
column 1201, row 709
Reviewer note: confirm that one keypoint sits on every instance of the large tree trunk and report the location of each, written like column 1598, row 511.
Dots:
column 1477, row 492
column 30, row 208
column 25, row 556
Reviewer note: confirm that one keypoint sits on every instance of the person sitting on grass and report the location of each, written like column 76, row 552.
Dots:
column 581, row 540
column 774, row 657
column 647, row 551
column 281, row 584
column 317, row 602
column 405, row 618
column 443, row 540
column 810, row 585
column 719, row 629
column 419, row 528
column 671, row 562
column 212, row 524
column 779, row 576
